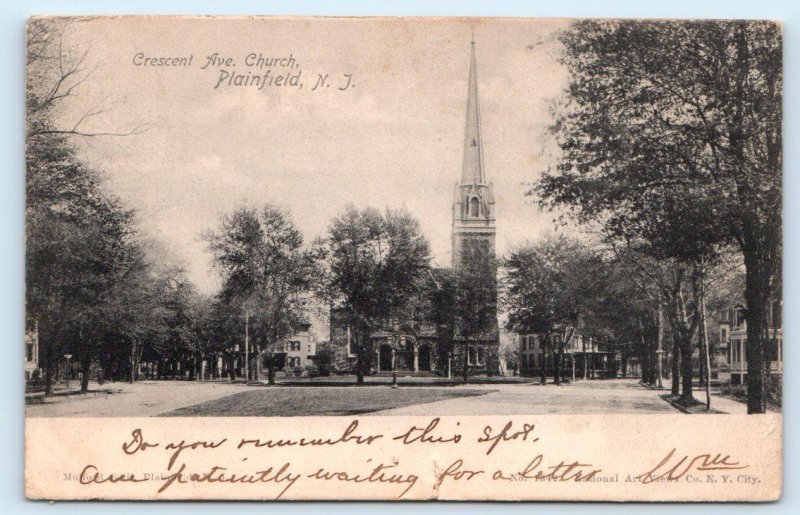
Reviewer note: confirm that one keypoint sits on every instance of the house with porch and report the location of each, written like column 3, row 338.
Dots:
column 584, row 357
column 733, row 331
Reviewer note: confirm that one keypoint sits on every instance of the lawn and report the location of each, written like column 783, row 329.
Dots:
column 323, row 401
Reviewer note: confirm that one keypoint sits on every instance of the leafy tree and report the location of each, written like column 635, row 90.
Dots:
column 372, row 263
column 547, row 287
column 673, row 133
column 266, row 275
column 475, row 294
column 79, row 239
column 324, row 358
column 510, row 354
column 443, row 305
column 618, row 310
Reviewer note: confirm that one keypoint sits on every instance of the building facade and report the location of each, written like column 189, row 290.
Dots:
column 734, row 332
column 31, row 353
column 584, row 357
column 299, row 349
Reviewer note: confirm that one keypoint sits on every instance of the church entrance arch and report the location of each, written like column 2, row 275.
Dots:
column 385, row 357
column 425, row 358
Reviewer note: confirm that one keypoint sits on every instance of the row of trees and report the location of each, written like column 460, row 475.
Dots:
column 93, row 290
column 560, row 287
column 373, row 265
column 675, row 161
column 671, row 148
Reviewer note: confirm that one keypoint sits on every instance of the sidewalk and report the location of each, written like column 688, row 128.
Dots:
column 719, row 403
column 141, row 399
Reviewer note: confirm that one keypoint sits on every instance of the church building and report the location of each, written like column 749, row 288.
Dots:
column 473, row 245
column 473, row 229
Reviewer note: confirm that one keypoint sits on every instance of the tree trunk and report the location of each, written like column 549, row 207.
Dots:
column 86, row 363
column 660, row 345
column 676, row 367
column 48, row 371
column 543, row 362
column 585, row 361
column 558, row 359
column 47, row 353
column 705, row 355
column 647, row 368
column 686, row 372
column 362, row 356
column 757, row 298
column 465, row 370
column 756, row 322
column 760, row 242
column 134, row 360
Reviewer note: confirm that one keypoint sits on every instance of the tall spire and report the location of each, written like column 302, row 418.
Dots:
column 473, row 171
column 473, row 201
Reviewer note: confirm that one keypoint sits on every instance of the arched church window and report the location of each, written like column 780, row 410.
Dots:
column 474, row 207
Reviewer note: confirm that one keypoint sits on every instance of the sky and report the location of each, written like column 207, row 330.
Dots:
column 393, row 138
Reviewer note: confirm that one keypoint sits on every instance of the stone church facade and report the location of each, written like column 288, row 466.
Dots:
column 473, row 222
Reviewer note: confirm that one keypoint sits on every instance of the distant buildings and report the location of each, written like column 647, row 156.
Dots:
column 298, row 350
column 583, row 357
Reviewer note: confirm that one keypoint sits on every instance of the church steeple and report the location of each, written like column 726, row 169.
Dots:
column 473, row 201
column 472, row 169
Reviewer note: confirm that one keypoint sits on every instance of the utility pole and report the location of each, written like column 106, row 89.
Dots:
column 704, row 335
column 246, row 345
column 660, row 350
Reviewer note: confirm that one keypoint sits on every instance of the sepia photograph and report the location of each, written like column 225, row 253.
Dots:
column 443, row 218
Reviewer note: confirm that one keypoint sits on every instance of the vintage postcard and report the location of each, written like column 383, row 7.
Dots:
column 403, row 259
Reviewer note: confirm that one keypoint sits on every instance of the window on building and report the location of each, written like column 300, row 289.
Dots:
column 29, row 352
column 775, row 318
column 294, row 346
column 474, row 207
column 472, row 356
column 774, row 349
column 480, row 356
column 739, row 316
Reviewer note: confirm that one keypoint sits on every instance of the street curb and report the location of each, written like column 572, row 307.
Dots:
column 37, row 400
column 650, row 387
column 676, row 405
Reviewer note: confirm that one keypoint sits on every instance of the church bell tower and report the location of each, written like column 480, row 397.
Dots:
column 473, row 202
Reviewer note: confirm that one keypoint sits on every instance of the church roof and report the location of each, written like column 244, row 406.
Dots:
column 472, row 168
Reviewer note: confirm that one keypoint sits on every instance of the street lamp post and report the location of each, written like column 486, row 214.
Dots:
column 394, row 369
column 69, row 357
column 449, row 361
column 396, row 327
